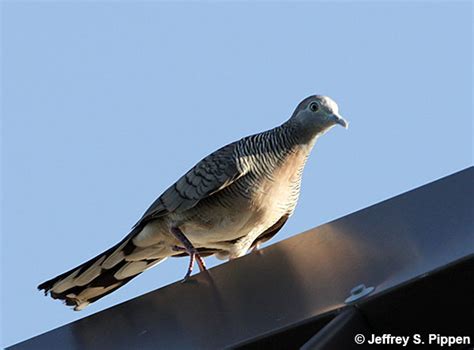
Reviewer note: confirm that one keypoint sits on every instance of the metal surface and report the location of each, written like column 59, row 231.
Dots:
column 339, row 333
column 302, row 278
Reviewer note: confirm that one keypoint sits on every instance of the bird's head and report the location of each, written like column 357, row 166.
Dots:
column 317, row 114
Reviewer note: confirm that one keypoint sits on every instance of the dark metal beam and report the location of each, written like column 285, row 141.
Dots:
column 302, row 280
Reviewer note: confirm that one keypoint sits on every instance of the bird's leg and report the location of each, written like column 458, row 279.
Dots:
column 189, row 248
column 256, row 248
column 192, row 258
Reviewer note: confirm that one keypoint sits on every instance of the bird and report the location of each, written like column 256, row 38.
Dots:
column 228, row 204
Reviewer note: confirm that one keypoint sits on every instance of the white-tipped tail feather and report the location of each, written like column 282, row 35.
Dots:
column 103, row 274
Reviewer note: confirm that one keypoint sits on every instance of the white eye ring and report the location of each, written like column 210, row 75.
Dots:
column 314, row 106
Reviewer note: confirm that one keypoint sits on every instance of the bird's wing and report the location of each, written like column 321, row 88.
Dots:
column 212, row 174
column 270, row 232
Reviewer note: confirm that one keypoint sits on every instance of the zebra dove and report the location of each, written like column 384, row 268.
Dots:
column 227, row 204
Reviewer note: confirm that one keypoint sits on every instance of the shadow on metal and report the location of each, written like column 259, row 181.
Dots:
column 415, row 250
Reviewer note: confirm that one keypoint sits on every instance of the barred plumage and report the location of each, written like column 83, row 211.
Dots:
column 231, row 201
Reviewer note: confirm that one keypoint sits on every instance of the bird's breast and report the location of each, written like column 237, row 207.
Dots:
column 281, row 187
column 231, row 214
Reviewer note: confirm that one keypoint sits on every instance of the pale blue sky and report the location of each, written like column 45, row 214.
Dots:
column 105, row 105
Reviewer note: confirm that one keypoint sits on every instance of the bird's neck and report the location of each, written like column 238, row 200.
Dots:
column 302, row 135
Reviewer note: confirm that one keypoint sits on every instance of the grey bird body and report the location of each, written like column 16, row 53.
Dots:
column 229, row 202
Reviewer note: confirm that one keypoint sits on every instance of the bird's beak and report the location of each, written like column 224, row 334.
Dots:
column 340, row 120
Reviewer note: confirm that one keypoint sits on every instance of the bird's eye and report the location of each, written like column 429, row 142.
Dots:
column 314, row 107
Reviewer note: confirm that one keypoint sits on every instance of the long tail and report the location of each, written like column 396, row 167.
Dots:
column 103, row 274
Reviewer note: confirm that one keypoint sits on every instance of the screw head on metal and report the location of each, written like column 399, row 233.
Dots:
column 358, row 292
